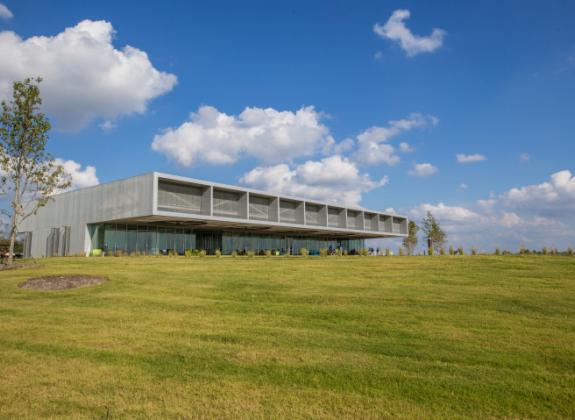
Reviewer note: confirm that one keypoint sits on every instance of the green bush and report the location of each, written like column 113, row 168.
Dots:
column 569, row 251
column 188, row 253
column 218, row 253
column 473, row 250
column 234, row 254
column 497, row 251
column 544, row 251
column 96, row 252
column 303, row 252
column 202, row 253
column 339, row 252
column 345, row 252
column 268, row 253
column 323, row 252
column 430, row 251
column 441, row 251
column 387, row 252
column 251, row 254
column 451, row 250
column 364, row 252
column 460, row 251
column 400, row 252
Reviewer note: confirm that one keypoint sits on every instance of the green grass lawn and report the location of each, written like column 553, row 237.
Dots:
column 292, row 337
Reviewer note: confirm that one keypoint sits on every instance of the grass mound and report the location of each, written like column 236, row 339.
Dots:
column 333, row 337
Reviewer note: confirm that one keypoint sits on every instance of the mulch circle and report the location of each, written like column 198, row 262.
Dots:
column 61, row 282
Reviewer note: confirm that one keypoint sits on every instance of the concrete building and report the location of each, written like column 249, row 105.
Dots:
column 158, row 213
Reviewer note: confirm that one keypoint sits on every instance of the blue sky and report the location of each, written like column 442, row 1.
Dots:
column 497, row 80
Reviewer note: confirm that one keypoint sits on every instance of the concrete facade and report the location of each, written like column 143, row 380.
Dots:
column 63, row 226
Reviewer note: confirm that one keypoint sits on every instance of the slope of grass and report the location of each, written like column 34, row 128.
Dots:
column 292, row 337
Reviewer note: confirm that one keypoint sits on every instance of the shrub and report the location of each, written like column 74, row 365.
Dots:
column 234, row 254
column 303, row 252
column 497, row 251
column 460, row 251
column 339, row 252
column 218, row 253
column 202, row 253
column 387, row 252
column 554, row 251
column 441, row 251
column 345, row 252
column 400, row 252
column 544, row 251
column 251, row 254
column 323, row 252
column 451, row 250
column 268, row 253
column 430, row 251
column 569, row 251
column 188, row 253
column 473, row 250
column 364, row 252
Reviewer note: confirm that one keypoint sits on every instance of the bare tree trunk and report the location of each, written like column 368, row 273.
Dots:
column 12, row 240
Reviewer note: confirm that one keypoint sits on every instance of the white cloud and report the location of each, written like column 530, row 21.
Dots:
column 267, row 134
column 395, row 30
column 333, row 179
column 463, row 186
column 107, row 126
column 80, row 178
column 406, row 147
column 332, row 147
column 5, row 13
column 533, row 216
column 463, row 158
column 372, row 143
column 524, row 157
column 423, row 170
column 557, row 196
column 85, row 76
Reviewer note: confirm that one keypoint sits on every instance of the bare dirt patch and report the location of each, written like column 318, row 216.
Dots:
column 4, row 267
column 61, row 282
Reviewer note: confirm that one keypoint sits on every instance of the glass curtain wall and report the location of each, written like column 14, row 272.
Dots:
column 257, row 242
column 112, row 238
column 145, row 239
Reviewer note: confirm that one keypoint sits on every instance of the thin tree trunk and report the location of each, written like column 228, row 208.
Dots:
column 12, row 239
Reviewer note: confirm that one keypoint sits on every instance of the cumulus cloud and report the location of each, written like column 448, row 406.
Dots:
column 372, row 144
column 423, row 170
column 80, row 178
column 524, row 157
column 395, row 30
column 533, row 216
column 406, row 147
column 333, row 179
column 463, row 158
column 85, row 76
column 266, row 134
column 552, row 198
column 5, row 13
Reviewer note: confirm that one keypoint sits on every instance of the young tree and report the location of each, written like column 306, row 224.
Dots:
column 435, row 236
column 29, row 175
column 410, row 241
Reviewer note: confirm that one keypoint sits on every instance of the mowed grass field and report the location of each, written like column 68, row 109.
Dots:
column 426, row 337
